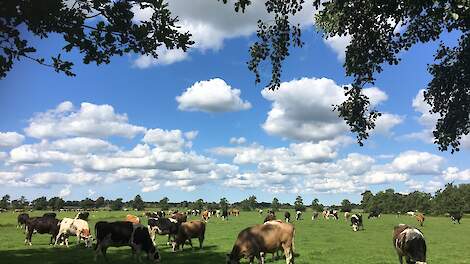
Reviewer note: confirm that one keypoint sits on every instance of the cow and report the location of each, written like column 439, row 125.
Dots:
column 270, row 217
column 22, row 219
column 410, row 213
column 347, row 215
column 456, row 217
column 42, row 225
column 287, row 216
column 133, row 219
column 356, row 222
column 53, row 215
column 124, row 233
column 83, row 216
column 298, row 215
column 224, row 214
column 205, row 215
column 256, row 241
column 163, row 226
column 315, row 215
column 420, row 219
column 409, row 242
column 374, row 214
column 235, row 212
column 187, row 231
column 76, row 227
column 260, row 211
column 330, row 213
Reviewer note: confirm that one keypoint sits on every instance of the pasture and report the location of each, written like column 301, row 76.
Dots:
column 319, row 241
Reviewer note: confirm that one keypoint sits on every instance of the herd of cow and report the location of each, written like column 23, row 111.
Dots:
column 253, row 242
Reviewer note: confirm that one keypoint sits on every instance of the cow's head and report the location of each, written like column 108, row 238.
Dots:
column 87, row 237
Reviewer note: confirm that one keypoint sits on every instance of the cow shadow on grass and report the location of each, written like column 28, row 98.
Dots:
column 78, row 254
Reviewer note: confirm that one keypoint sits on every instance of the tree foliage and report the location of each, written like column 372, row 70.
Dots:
column 163, row 204
column 380, row 31
column 116, row 205
column 299, row 204
column 56, row 203
column 138, row 203
column 275, row 204
column 98, row 29
column 317, row 206
column 39, row 203
column 223, row 204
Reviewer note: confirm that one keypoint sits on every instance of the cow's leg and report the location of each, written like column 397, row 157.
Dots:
column 288, row 252
column 169, row 239
column 190, row 244
column 408, row 260
column 29, row 234
column 57, row 239
column 97, row 250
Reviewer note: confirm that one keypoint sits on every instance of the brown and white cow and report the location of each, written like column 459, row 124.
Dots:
column 75, row 227
column 133, row 219
column 205, row 215
column 420, row 218
column 256, row 241
column 409, row 242
column 347, row 215
column 187, row 231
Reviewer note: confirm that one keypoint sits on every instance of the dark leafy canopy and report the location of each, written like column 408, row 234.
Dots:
column 98, row 29
column 375, row 41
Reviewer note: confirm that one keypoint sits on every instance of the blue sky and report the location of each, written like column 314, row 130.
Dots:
column 195, row 125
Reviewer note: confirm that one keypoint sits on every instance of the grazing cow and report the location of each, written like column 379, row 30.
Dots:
column 315, row 215
column 224, row 214
column 356, row 222
column 187, row 231
column 42, row 225
column 83, row 216
column 133, row 219
column 22, row 219
column 53, row 215
column 287, row 216
column 374, row 214
column 124, row 233
column 420, row 218
column 260, row 211
column 205, row 215
column 235, row 212
column 298, row 215
column 347, row 215
column 261, row 239
column 456, row 217
column 75, row 227
column 411, row 213
column 330, row 213
column 409, row 242
column 179, row 217
column 163, row 226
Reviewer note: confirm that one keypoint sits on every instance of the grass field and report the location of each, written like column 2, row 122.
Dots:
column 318, row 241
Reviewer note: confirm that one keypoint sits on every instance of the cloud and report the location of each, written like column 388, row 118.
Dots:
column 82, row 145
column 381, row 177
column 339, row 45
column 418, row 163
column 239, row 141
column 10, row 139
column 89, row 121
column 165, row 57
column 166, row 139
column 213, row 95
column 66, row 191
column 386, row 122
column 210, row 31
column 453, row 173
column 303, row 110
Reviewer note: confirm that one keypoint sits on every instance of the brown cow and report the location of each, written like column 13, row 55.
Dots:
column 180, row 217
column 420, row 218
column 347, row 215
column 187, row 231
column 205, row 215
column 261, row 239
column 409, row 243
column 133, row 219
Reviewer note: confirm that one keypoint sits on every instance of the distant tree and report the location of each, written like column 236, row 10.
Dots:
column 198, row 205
column 39, row 203
column 163, row 204
column 5, row 202
column 223, row 203
column 116, row 205
column 87, row 203
column 100, row 202
column 449, row 200
column 275, row 204
column 138, row 203
column 56, row 203
column 299, row 204
column 98, row 29
column 316, row 206
column 367, row 200
column 346, row 205
column 252, row 202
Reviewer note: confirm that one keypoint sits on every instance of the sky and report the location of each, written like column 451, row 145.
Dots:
column 195, row 125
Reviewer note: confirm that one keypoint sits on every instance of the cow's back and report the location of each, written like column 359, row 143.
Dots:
column 119, row 232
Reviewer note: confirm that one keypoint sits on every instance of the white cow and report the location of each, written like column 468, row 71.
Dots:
column 75, row 227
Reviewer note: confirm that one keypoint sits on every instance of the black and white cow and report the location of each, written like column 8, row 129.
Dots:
column 163, row 226
column 356, row 222
column 22, row 219
column 123, row 233
column 409, row 243
column 456, row 217
column 374, row 214
column 298, row 215
column 287, row 216
column 42, row 225
column 224, row 214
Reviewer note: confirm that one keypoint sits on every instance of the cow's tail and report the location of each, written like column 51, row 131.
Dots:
column 293, row 243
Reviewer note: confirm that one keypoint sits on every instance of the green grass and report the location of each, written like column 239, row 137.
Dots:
column 318, row 241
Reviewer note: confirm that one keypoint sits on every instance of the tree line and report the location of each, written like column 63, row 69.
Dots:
column 453, row 198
